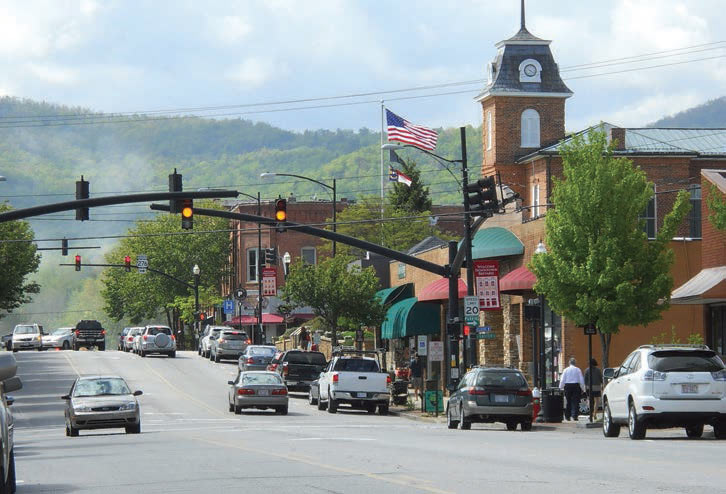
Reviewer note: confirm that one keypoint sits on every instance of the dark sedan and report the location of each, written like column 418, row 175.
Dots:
column 256, row 357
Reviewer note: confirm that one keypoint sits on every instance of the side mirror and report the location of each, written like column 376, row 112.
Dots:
column 9, row 400
column 12, row 384
column 138, row 392
column 66, row 397
column 230, row 382
column 608, row 373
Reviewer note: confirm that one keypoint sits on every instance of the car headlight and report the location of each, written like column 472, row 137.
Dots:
column 81, row 408
column 128, row 406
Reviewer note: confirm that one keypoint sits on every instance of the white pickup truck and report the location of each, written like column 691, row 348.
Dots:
column 355, row 380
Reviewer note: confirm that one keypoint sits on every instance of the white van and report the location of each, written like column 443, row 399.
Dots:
column 27, row 337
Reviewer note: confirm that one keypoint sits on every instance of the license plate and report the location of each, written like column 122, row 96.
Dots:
column 264, row 392
column 361, row 395
column 689, row 388
column 501, row 399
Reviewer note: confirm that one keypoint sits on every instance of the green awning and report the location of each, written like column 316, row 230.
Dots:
column 495, row 242
column 395, row 293
column 410, row 317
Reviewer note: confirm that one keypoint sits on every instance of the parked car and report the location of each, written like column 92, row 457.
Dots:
column 256, row 357
column 130, row 338
column 7, row 341
column 9, row 382
column 59, row 338
column 257, row 389
column 89, row 333
column 491, row 394
column 298, row 368
column 156, row 339
column 122, row 338
column 205, row 341
column 355, row 379
column 27, row 337
column 314, row 392
column 101, row 402
column 228, row 344
column 661, row 386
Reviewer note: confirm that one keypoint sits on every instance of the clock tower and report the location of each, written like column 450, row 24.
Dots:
column 523, row 105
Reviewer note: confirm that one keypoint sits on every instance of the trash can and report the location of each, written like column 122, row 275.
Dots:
column 552, row 404
column 432, row 385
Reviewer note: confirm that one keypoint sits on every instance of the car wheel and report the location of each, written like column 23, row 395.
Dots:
column 66, row 345
column 134, row 429
column 282, row 410
column 73, row 432
column 321, row 403
column 102, row 348
column 199, row 351
column 216, row 358
column 694, row 431
column 450, row 423
column 636, row 430
column 464, row 424
column 719, row 430
column 371, row 408
column 511, row 426
column 311, row 400
column 609, row 429
column 238, row 410
column 172, row 354
column 527, row 426
column 332, row 404
column 383, row 409
column 231, row 407
column 142, row 353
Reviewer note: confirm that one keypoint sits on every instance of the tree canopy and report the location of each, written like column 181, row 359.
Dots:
column 415, row 197
column 19, row 259
column 600, row 268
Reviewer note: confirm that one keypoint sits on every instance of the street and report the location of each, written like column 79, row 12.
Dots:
column 191, row 443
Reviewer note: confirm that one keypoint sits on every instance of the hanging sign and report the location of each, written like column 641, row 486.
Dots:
column 486, row 281
column 269, row 282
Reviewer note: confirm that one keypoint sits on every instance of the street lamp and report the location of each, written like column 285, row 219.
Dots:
column 541, row 250
column 286, row 259
column 332, row 188
column 196, row 271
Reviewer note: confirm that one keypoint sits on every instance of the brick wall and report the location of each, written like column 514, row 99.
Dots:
column 713, row 245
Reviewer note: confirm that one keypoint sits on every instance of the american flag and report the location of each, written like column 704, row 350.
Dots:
column 401, row 130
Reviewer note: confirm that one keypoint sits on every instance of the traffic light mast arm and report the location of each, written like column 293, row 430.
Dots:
column 318, row 232
column 461, row 253
column 188, row 285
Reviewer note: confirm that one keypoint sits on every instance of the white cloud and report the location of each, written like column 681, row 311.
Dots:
column 255, row 72
column 53, row 74
column 229, row 29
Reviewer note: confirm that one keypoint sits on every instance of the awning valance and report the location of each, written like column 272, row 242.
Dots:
column 517, row 281
column 707, row 287
column 248, row 320
column 439, row 290
column 410, row 317
column 495, row 242
column 395, row 293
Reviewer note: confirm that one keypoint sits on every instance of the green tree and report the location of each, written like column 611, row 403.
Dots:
column 19, row 258
column 415, row 197
column 335, row 292
column 600, row 268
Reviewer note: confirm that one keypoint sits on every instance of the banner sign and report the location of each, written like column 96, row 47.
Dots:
column 269, row 282
column 486, row 276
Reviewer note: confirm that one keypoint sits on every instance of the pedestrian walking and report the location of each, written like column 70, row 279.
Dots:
column 416, row 375
column 573, row 383
column 305, row 339
column 596, row 390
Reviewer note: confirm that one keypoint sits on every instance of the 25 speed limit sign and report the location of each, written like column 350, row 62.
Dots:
column 471, row 310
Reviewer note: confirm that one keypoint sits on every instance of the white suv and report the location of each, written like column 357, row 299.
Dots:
column 661, row 386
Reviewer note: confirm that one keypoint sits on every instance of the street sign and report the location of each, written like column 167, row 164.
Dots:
column 590, row 329
column 269, row 282
column 229, row 306
column 436, row 351
column 471, row 310
column 486, row 281
column 486, row 336
column 241, row 293
column 422, row 345
column 142, row 262
column 483, row 329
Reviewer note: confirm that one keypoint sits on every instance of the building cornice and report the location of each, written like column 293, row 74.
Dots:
column 521, row 94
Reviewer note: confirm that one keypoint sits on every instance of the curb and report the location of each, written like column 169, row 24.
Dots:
column 412, row 416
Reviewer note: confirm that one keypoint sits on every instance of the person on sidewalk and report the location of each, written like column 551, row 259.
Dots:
column 596, row 385
column 573, row 382
column 416, row 375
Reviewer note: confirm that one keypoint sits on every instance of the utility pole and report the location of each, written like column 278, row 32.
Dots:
column 257, row 340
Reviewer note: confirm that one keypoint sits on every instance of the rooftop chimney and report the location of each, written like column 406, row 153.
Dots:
column 617, row 136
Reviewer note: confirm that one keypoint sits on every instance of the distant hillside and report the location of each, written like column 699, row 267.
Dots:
column 711, row 114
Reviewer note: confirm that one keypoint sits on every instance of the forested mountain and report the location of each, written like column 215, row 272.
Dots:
column 711, row 114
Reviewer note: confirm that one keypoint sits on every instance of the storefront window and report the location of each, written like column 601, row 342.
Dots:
column 553, row 345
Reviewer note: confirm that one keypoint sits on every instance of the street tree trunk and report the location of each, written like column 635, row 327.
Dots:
column 605, row 343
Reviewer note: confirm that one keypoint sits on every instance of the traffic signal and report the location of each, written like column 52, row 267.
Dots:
column 481, row 196
column 127, row 262
column 78, row 262
column 82, row 193
column 280, row 213
column 200, row 316
column 64, row 247
column 175, row 185
column 187, row 214
column 467, row 330
column 271, row 256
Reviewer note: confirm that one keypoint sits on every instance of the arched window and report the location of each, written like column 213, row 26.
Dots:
column 530, row 128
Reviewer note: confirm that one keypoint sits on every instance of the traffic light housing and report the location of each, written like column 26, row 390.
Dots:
column 78, row 262
column 467, row 330
column 64, row 247
column 127, row 262
column 82, row 190
column 187, row 214
column 280, row 213
column 271, row 256
column 175, row 185
column 481, row 197
column 200, row 316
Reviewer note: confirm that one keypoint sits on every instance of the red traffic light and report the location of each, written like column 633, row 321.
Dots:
column 127, row 262
column 467, row 330
column 78, row 263
column 281, row 210
column 202, row 316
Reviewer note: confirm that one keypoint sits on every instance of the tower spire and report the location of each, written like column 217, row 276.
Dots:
column 522, row 22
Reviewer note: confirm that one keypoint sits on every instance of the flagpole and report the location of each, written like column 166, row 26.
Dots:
column 383, row 172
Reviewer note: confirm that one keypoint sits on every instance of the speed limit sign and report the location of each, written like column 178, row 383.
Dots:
column 471, row 310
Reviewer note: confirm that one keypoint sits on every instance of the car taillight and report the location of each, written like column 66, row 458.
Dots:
column 719, row 375
column 651, row 375
column 279, row 391
column 103, row 332
column 145, row 336
column 336, row 377
column 525, row 392
column 131, row 338
column 173, row 337
column 388, row 379
column 78, row 333
column 285, row 368
column 477, row 391
column 272, row 367
column 245, row 391
column 250, row 360
column 249, row 341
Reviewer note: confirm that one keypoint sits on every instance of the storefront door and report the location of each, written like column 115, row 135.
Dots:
column 716, row 334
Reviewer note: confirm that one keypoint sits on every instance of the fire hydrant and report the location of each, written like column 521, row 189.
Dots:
column 536, row 404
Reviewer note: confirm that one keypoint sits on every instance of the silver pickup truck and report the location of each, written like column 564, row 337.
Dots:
column 354, row 379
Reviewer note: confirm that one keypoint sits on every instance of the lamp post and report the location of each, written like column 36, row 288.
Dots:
column 196, row 271
column 259, row 271
column 286, row 259
column 541, row 250
column 332, row 188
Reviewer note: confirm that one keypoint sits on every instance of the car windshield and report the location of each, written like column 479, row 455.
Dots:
column 155, row 331
column 356, row 365
column 685, row 361
column 100, row 387
column 25, row 330
column 501, row 380
column 60, row 331
column 261, row 351
column 234, row 335
column 252, row 379
column 310, row 358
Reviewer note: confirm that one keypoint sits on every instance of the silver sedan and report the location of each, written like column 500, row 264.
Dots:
column 101, row 402
column 59, row 338
column 258, row 389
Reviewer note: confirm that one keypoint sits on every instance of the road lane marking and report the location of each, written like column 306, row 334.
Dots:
column 72, row 365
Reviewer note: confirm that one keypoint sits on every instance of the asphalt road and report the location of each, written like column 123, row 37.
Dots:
column 191, row 443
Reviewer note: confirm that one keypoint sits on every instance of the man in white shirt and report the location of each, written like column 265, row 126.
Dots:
column 573, row 382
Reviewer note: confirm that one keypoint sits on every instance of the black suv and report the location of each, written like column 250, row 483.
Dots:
column 89, row 333
column 298, row 368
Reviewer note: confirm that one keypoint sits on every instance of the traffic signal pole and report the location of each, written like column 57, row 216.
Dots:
column 259, row 277
column 467, row 234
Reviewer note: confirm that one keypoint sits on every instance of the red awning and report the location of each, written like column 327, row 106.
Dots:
column 248, row 320
column 517, row 281
column 439, row 290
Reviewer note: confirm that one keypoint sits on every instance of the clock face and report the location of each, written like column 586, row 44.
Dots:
column 530, row 70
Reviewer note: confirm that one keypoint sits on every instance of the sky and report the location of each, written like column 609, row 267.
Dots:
column 140, row 56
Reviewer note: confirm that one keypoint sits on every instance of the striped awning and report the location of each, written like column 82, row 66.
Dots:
column 517, row 281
